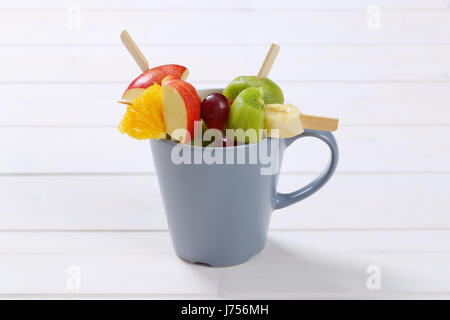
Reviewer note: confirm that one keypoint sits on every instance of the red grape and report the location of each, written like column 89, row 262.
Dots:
column 215, row 110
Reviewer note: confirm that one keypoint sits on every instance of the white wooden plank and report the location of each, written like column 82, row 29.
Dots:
column 362, row 149
column 288, row 27
column 354, row 103
column 81, row 202
column 363, row 201
column 368, row 201
column 103, row 65
column 313, row 263
column 206, row 5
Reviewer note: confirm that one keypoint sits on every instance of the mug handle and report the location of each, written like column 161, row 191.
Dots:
column 283, row 200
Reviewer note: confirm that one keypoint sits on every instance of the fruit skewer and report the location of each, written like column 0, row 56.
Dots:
column 249, row 94
column 268, row 61
column 148, row 76
column 307, row 121
column 161, row 101
column 319, row 123
column 134, row 50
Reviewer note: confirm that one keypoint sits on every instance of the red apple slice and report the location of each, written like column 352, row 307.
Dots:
column 149, row 77
column 181, row 108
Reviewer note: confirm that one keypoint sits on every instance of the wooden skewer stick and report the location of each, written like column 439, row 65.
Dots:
column 268, row 61
column 134, row 50
column 125, row 102
column 319, row 123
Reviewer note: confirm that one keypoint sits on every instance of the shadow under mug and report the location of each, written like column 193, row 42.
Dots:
column 218, row 214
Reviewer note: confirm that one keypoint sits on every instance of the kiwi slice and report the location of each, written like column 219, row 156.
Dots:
column 273, row 93
column 247, row 112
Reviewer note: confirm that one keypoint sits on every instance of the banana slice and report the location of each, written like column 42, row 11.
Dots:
column 284, row 117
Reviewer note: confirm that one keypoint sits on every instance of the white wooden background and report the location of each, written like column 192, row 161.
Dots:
column 74, row 192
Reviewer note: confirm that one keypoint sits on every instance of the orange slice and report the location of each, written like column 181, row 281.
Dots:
column 144, row 117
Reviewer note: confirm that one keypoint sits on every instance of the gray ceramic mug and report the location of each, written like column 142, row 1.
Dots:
column 219, row 214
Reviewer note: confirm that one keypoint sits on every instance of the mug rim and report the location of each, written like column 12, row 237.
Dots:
column 245, row 145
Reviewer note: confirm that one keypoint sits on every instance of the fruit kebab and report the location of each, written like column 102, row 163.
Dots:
column 161, row 104
column 159, row 100
column 148, row 76
column 258, row 103
column 249, row 95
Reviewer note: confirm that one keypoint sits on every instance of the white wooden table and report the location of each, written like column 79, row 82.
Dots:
column 80, row 210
